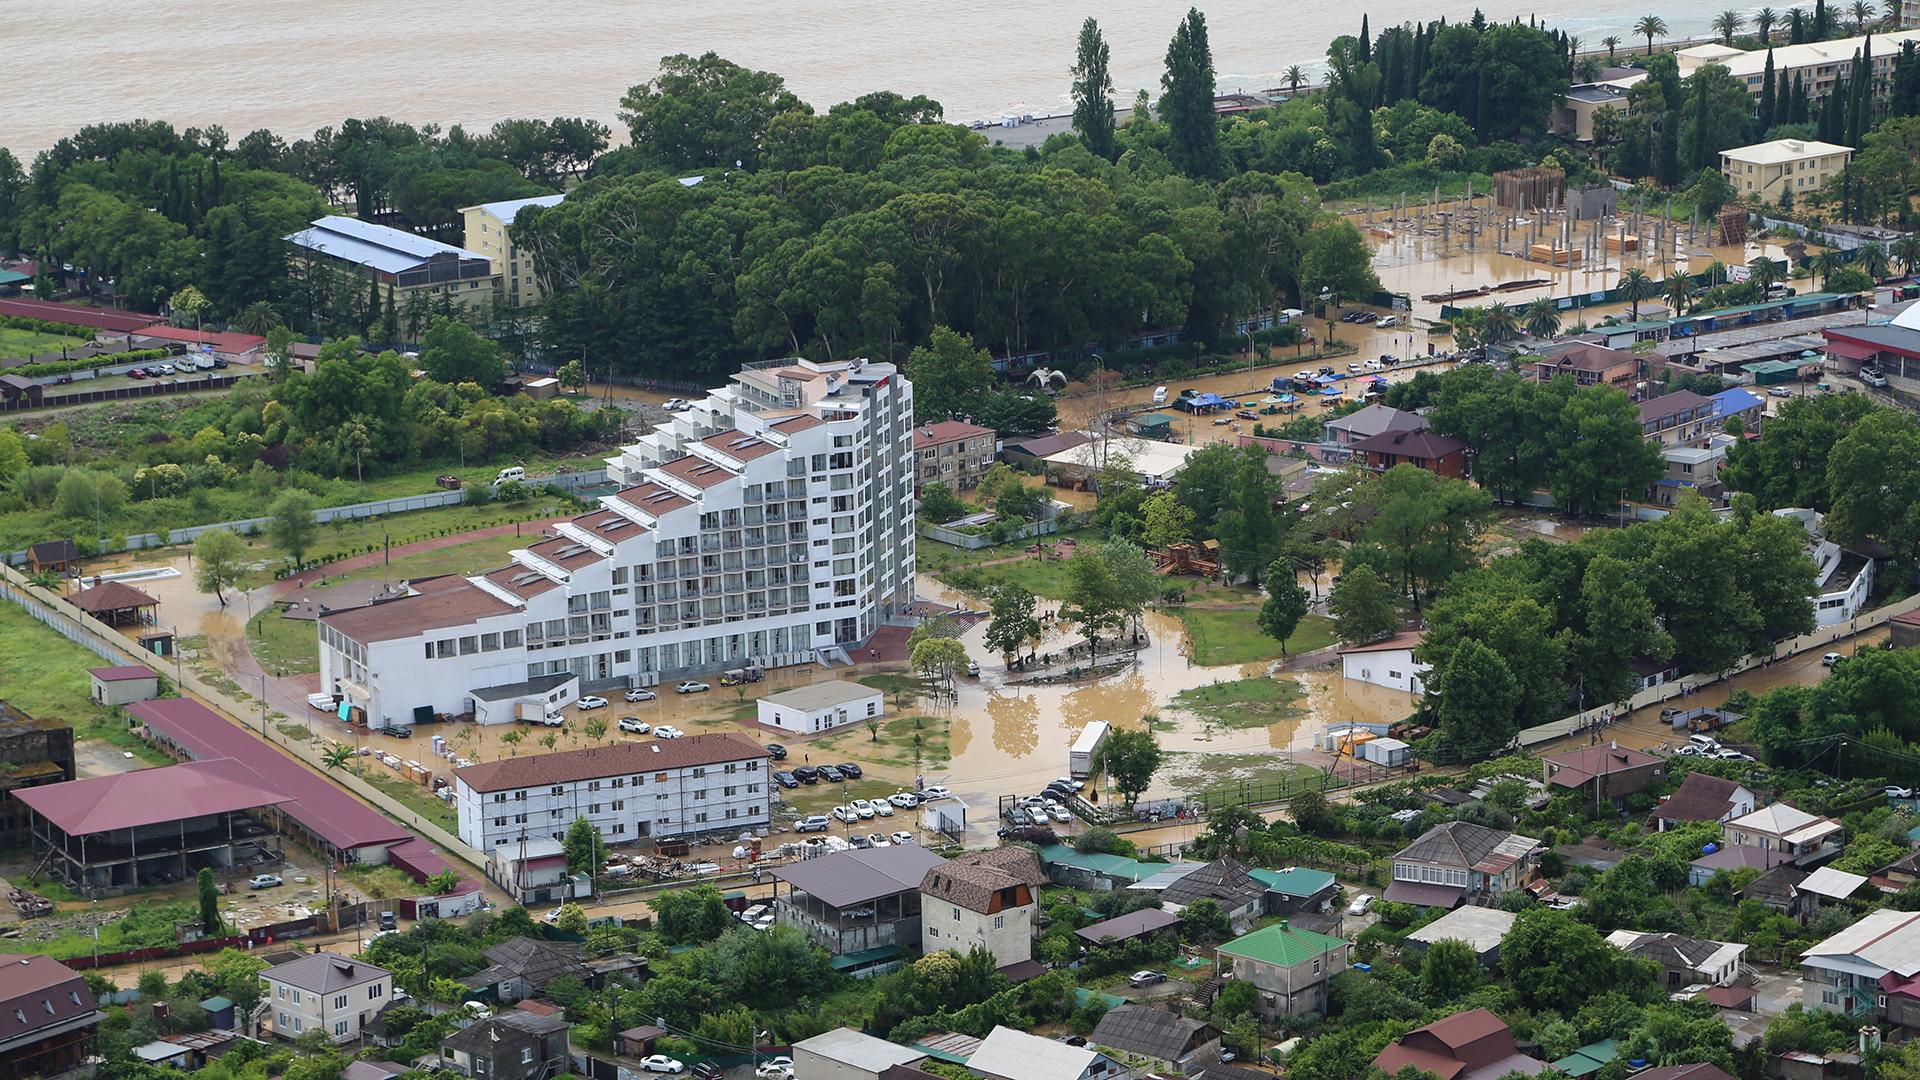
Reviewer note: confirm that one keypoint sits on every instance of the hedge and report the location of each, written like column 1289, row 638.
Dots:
column 62, row 367
column 41, row 326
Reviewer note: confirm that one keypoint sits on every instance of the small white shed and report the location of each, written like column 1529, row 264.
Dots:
column 124, row 685
column 822, row 706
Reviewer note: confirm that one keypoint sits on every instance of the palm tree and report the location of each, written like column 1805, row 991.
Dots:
column 1678, row 291
column 1542, row 318
column 1728, row 23
column 337, row 757
column 1501, row 325
column 1907, row 250
column 1763, row 21
column 1650, row 27
column 258, row 318
column 1765, row 272
column 1612, row 43
column 595, row 728
column 1826, row 263
column 1294, row 78
column 1862, row 12
column 1873, row 259
column 1636, row 286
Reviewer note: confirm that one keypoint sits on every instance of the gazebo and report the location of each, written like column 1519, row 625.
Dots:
column 117, row 605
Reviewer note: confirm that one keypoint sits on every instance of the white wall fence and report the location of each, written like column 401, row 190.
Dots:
column 974, row 543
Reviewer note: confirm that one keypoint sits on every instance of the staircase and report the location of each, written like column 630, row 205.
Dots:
column 1204, row 994
column 828, row 656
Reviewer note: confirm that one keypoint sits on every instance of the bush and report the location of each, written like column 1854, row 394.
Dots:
column 61, row 367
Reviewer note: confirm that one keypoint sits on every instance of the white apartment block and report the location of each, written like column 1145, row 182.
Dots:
column 489, row 232
column 630, row 791
column 1820, row 65
column 770, row 523
column 323, row 992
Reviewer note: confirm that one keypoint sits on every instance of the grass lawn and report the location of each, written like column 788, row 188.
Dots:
column 894, row 745
column 284, row 646
column 45, row 676
column 28, row 342
column 1192, row 773
column 413, row 797
column 1243, row 703
column 371, row 535
column 1232, row 636
column 381, row 882
column 963, row 569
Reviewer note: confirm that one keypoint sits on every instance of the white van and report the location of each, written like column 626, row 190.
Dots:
column 513, row 474
column 1159, row 395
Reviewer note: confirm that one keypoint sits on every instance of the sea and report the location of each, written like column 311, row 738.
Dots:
column 296, row 65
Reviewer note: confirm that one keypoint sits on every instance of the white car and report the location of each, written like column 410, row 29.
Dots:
column 661, row 1063
column 875, row 839
column 779, row 1068
column 863, row 808
column 881, row 808
column 1059, row 813
column 846, row 813
column 668, row 731
column 590, row 702
column 323, row 702
column 691, row 687
column 1899, row 792
column 1371, row 365
column 1360, row 904
column 675, row 404
column 905, row 800
column 264, row 881
column 901, row 838
column 1386, row 322
column 935, row 792
column 1830, row 659
column 634, row 725
column 641, row 695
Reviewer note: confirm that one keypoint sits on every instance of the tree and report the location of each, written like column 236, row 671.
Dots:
column 1542, row 318
column 290, row 524
column 1186, row 101
column 595, row 729
column 1335, row 258
column 572, row 375
column 1167, row 520
column 705, row 113
column 1727, row 24
column 1553, row 962
column 1875, row 484
column 1635, row 286
column 949, row 376
column 939, row 658
column 1203, row 922
column 1610, row 43
column 209, row 902
column 1763, row 23
column 1314, row 813
column 939, row 504
column 691, row 916
column 1093, row 597
column 1093, row 92
column 452, row 353
column 1293, row 77
column 1450, row 971
column 1362, row 606
column 1285, row 605
column 1130, row 758
column 1478, row 696
column 219, row 562
column 1425, row 525
column 338, row 757
column 1650, row 27
column 191, row 303
column 582, row 845
column 1614, row 460
column 1862, row 13
column 1014, row 625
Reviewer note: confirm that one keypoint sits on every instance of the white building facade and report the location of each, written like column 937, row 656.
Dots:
column 822, row 706
column 323, row 992
column 770, row 523
column 630, row 791
column 1387, row 663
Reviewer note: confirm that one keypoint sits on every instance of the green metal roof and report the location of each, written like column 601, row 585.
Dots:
column 847, row 961
column 1118, row 866
column 1293, row 881
column 215, row 1004
column 936, row 1054
column 1720, row 313
column 13, row 277
column 1156, row 419
column 1281, row 944
column 1590, row 1058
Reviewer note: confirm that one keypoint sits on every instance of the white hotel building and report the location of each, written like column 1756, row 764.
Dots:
column 631, row 791
column 770, row 523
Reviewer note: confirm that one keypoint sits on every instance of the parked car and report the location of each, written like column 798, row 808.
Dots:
column 691, row 687
column 807, row 774
column 905, row 800
column 850, row 769
column 1779, row 391
column 264, row 881
column 1018, row 818
column 1145, row 978
column 661, row 1063
column 707, row 1070
column 875, row 839
column 668, row 731
column 901, row 838
column 816, row 823
column 1059, row 813
column 776, row 751
column 634, row 725
column 1371, row 365
column 675, row 404
column 389, row 921
column 770, row 1071
column 1898, row 792
column 846, row 813
column 859, row 843
column 638, row 694
column 1326, row 369
column 590, row 702
column 137, row 373
column 1386, row 322
column 1360, row 904
column 832, row 775
column 935, row 792
column 1704, row 742
column 881, row 808
column 863, row 808
column 1244, row 414
column 1830, row 659
column 785, row 779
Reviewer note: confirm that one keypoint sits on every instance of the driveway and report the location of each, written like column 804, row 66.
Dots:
column 102, row 759
column 1774, row 991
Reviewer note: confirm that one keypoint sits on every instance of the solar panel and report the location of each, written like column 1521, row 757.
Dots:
column 526, row 578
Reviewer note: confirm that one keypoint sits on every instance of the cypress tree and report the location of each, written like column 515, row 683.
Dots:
column 1666, row 164
column 1767, row 97
column 1796, row 27
column 1860, row 116
column 1366, row 40
column 1187, row 101
column 1822, row 21
column 373, row 301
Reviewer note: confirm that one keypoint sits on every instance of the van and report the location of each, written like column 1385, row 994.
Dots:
column 512, row 474
column 1159, row 395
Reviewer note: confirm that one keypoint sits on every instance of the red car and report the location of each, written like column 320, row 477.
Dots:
column 137, row 373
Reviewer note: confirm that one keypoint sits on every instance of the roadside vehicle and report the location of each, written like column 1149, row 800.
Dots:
column 638, row 694
column 634, row 725
column 1145, row 978
column 691, row 687
column 816, row 823
column 1360, row 904
column 668, row 731
column 590, row 702
column 264, row 881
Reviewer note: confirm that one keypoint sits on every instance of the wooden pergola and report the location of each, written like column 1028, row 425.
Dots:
column 118, row 605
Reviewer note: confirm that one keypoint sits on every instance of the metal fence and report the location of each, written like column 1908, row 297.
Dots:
column 972, row 542
column 132, row 390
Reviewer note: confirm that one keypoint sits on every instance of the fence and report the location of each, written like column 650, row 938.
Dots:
column 1615, row 295
column 974, row 542
column 134, row 390
column 570, row 482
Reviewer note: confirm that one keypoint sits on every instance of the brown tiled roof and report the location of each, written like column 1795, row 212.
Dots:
column 739, row 445
column 566, row 553
column 52, row 551
column 1589, row 358
column 653, row 499
column 45, row 993
column 1701, row 797
column 1670, row 405
column 520, row 581
column 697, row 471
column 1576, row 767
column 620, row 759
column 112, row 596
column 1410, row 639
column 797, row 422
column 798, row 374
column 1423, row 445
column 323, row 973
column 441, row 604
column 122, row 674
column 608, row 525
column 946, row 431
column 972, row 879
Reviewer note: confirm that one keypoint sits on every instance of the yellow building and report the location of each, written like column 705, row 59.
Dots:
column 489, row 233
column 1766, row 170
column 1573, row 116
column 407, row 263
column 1820, row 65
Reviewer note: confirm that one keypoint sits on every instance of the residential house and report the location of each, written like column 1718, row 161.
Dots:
column 1224, row 881
column 1573, row 116
column 372, row 1070
column 846, row 1054
column 1704, row 797
column 1481, row 928
column 951, row 452
column 1294, row 889
column 1684, row 1072
column 1729, row 859
column 53, row 557
column 822, row 706
column 1682, row 418
column 1456, row 860
column 1288, row 967
column 982, row 899
column 1850, row 971
column 117, row 686
column 1603, row 773
column 1442, row 455
column 1006, row 1054
column 1693, row 470
column 1169, row 1042
column 1808, row 838
column 323, row 992
column 863, row 907
column 1589, row 1059
column 1779, row 890
column 511, row 1045
column 1819, row 65
column 48, row 1017
column 489, row 232
column 1471, row 1045
column 1135, row 925
column 1683, row 961
column 1842, row 579
column 534, row 871
column 1768, row 170
column 1026, row 454
column 1388, row 662
column 1828, row 885
column 521, row 967
column 1339, row 434
column 1588, row 365
column 1649, row 672
column 1739, row 403
column 1904, row 629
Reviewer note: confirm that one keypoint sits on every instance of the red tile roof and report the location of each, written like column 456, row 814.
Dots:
column 1409, row 639
column 797, row 422
column 739, row 445
column 520, row 581
column 1419, row 445
column 321, row 807
column 1587, row 358
column 443, row 603
column 620, row 759
column 222, row 342
column 112, row 596
column 566, row 553
column 1700, row 797
column 1576, row 767
column 150, row 796
column 697, row 471
column 946, row 431
column 76, row 315
column 122, row 674
column 39, row 992
column 653, row 499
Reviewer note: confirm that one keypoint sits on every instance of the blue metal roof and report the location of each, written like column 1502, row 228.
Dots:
column 376, row 246
column 509, row 209
column 1733, row 401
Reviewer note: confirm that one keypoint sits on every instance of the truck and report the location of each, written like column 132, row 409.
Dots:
column 1084, row 758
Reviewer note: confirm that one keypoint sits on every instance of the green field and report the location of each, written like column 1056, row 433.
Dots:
column 24, row 343
column 45, row 676
column 1220, row 637
column 1243, row 703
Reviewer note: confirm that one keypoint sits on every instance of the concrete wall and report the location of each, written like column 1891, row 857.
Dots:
column 1008, row 935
